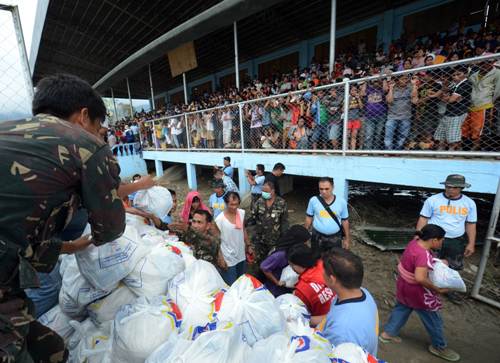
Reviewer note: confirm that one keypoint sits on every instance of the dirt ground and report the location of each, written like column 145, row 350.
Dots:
column 472, row 329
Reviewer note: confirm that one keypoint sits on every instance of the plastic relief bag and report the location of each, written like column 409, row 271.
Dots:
column 216, row 346
column 104, row 266
column 289, row 277
column 105, row 309
column 352, row 353
column 292, row 308
column 197, row 292
column 156, row 200
column 249, row 304
column 140, row 328
column 58, row 321
column 76, row 292
column 89, row 343
column 445, row 277
column 279, row 348
column 151, row 275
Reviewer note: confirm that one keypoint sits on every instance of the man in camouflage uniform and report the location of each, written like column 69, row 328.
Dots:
column 201, row 235
column 51, row 164
column 204, row 239
column 270, row 216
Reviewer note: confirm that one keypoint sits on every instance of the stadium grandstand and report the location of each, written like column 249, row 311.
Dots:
column 384, row 107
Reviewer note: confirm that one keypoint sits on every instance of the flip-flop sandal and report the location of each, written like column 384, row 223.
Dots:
column 395, row 340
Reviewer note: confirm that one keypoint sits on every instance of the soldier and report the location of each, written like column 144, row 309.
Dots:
column 202, row 235
column 51, row 163
column 270, row 215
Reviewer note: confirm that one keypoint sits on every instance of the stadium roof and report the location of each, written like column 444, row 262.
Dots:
column 90, row 38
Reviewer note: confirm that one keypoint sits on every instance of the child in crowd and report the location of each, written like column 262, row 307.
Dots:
column 192, row 203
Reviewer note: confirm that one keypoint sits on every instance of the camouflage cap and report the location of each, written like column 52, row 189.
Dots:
column 456, row 181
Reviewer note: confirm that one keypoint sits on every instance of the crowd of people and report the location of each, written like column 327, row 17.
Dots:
column 448, row 108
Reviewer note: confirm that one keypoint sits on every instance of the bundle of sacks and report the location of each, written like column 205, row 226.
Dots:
column 145, row 298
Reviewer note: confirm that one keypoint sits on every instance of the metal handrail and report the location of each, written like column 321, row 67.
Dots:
column 345, row 84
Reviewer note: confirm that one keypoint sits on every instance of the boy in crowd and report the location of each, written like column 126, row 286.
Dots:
column 216, row 200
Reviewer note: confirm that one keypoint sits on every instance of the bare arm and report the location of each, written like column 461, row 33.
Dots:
column 316, row 320
column 421, row 223
column 422, row 277
column 390, row 95
column 470, row 229
column 346, row 243
column 308, row 222
column 272, row 278
column 145, row 182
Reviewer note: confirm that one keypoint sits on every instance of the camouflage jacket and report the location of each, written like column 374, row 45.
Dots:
column 205, row 246
column 48, row 168
column 270, row 223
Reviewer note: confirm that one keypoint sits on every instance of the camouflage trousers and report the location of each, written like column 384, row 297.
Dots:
column 25, row 340
column 261, row 251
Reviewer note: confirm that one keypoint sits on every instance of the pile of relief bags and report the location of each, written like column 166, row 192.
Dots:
column 145, row 298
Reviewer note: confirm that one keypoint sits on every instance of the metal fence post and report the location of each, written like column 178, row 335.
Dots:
column 490, row 236
column 154, row 135
column 345, row 117
column 242, row 131
column 188, row 136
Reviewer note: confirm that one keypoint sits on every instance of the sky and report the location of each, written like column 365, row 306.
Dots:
column 14, row 99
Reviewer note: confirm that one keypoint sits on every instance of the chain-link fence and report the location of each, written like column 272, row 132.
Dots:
column 445, row 109
column 16, row 90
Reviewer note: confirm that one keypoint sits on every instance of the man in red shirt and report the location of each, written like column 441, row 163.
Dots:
column 311, row 287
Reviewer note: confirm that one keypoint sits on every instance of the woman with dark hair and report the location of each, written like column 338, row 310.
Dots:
column 311, row 287
column 415, row 291
column 234, row 238
column 277, row 260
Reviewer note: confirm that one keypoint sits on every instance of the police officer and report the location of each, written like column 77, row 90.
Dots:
column 270, row 216
column 456, row 213
column 328, row 215
column 216, row 200
column 51, row 164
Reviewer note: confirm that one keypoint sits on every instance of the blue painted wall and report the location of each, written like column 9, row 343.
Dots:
column 417, row 172
column 389, row 27
column 130, row 165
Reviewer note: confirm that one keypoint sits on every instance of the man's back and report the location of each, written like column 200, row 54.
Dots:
column 353, row 321
column 48, row 167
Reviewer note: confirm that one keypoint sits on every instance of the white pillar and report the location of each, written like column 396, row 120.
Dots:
column 236, row 62
column 185, row 88
column 151, row 87
column 244, row 186
column 341, row 186
column 191, row 176
column 130, row 99
column 159, row 168
column 333, row 25
column 114, row 104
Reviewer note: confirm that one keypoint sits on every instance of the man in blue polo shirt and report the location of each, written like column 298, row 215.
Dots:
column 228, row 169
column 353, row 315
column 328, row 215
column 216, row 200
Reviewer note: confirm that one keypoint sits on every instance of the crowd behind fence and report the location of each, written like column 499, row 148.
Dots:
column 449, row 108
